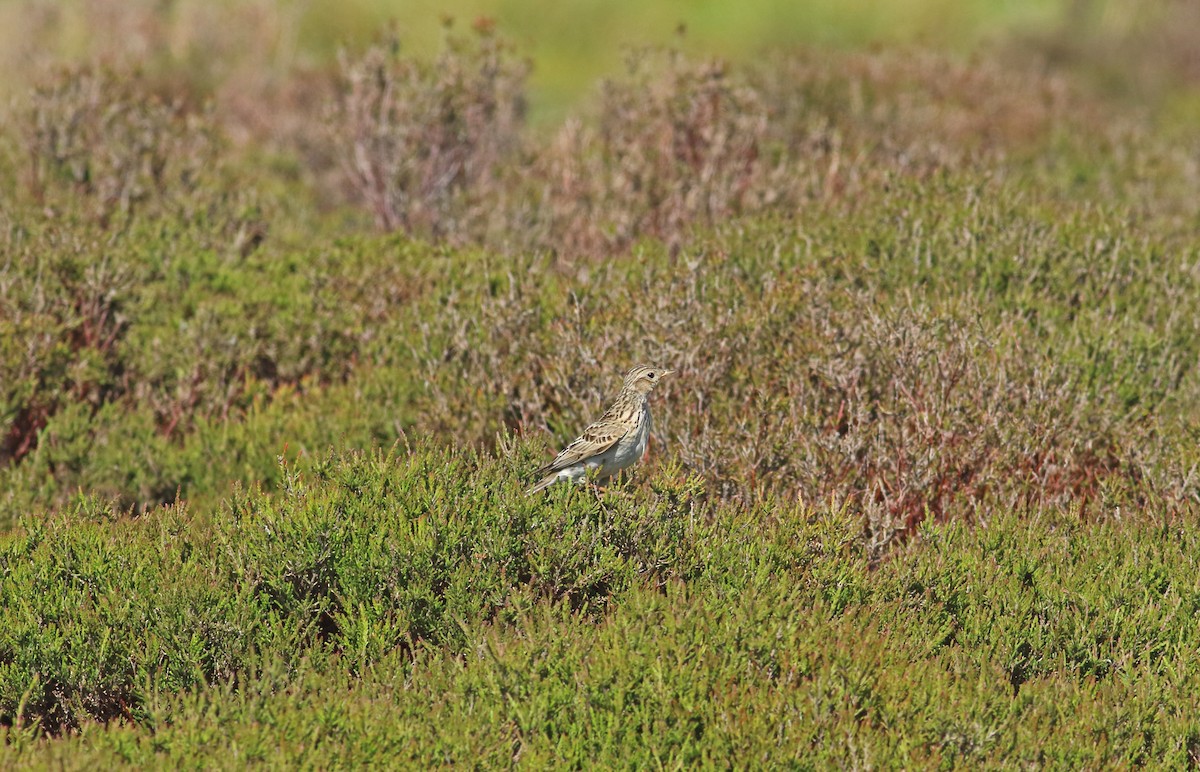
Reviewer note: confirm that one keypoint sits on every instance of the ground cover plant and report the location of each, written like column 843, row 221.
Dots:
column 273, row 378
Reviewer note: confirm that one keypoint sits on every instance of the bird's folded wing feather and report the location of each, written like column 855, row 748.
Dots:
column 596, row 439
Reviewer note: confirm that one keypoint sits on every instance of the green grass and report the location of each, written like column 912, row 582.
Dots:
column 417, row 608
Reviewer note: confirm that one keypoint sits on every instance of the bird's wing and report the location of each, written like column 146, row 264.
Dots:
column 616, row 422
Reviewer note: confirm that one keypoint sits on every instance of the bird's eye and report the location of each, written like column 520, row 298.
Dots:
column 651, row 376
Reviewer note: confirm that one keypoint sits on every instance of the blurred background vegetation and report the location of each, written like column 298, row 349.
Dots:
column 1138, row 49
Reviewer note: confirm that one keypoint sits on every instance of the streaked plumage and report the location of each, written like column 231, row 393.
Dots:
column 615, row 441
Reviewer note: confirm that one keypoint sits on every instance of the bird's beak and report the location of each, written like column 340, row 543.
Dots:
column 667, row 372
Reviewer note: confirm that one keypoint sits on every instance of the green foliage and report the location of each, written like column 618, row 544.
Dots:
column 922, row 492
column 376, row 553
column 940, row 344
column 417, row 606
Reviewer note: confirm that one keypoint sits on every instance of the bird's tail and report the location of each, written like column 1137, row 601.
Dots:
column 542, row 484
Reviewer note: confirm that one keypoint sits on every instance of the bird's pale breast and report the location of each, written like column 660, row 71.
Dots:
column 629, row 448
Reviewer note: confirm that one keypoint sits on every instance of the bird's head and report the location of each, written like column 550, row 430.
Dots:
column 643, row 378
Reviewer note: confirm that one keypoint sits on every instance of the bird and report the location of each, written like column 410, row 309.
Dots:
column 615, row 441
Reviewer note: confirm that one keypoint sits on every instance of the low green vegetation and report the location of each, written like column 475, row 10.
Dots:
column 274, row 375
column 416, row 608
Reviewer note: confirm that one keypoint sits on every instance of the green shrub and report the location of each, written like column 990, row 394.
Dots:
column 939, row 337
column 419, row 606
column 117, row 184
column 366, row 554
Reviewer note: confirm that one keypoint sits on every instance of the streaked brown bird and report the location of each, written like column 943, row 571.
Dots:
column 615, row 441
